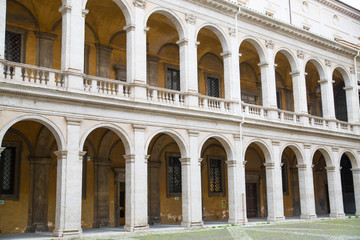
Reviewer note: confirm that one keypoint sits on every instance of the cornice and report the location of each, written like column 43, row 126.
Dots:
column 341, row 7
column 221, row 6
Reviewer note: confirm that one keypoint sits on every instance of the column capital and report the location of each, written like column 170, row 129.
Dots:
column 355, row 170
column 185, row 161
column 307, row 146
column 130, row 158
column 269, row 165
column 140, row 3
column 231, row 163
column 129, row 28
column 40, row 160
column 65, row 9
column 190, row 18
column 244, row 163
column 275, row 143
column 335, row 149
column 85, row 12
column 2, row 149
column 45, row 35
column 147, row 158
column 183, row 42
column 330, row 168
column 200, row 161
column 146, row 29
column 138, row 127
column 294, row 73
column 348, row 88
column 323, row 81
column 302, row 166
column 193, row 133
column 237, row 137
column 61, row 154
column 73, row 121
column 263, row 64
column 225, row 54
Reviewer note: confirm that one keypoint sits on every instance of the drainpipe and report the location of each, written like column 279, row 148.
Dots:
column 356, row 73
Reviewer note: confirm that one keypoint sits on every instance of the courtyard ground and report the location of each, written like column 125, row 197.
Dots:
column 329, row 229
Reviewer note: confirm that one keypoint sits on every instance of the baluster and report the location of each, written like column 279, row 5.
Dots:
column 36, row 76
column 247, row 110
column 117, row 89
column 176, row 99
column 294, row 118
column 155, row 95
column 2, row 70
column 324, row 123
column 205, row 103
column 92, row 85
column 7, row 72
column 31, row 77
column 282, row 116
column 262, row 113
column 26, row 75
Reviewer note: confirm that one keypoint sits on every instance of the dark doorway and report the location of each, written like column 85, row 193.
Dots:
column 347, row 185
column 251, row 200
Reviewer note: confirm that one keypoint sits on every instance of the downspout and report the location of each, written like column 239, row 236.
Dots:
column 356, row 73
column 242, row 114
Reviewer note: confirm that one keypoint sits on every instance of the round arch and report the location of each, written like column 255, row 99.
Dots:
column 296, row 149
column 327, row 156
column 352, row 156
column 218, row 32
column 257, row 45
column 319, row 66
column 117, row 130
column 289, row 56
column 224, row 142
column 173, row 17
column 175, row 135
column 344, row 73
column 54, row 129
column 123, row 5
column 264, row 148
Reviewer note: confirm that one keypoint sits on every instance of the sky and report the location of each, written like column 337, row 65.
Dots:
column 353, row 3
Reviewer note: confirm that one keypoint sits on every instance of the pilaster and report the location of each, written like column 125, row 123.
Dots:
column 69, row 183
column 2, row 28
column 335, row 192
column 327, row 93
column 356, row 180
column 191, row 186
column 44, row 49
column 136, row 198
column 279, row 202
column 306, row 189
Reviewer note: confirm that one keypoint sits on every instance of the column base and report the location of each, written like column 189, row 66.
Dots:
column 67, row 233
column 238, row 221
column 137, row 228
column 337, row 215
column 192, row 225
column 276, row 219
column 357, row 213
column 308, row 216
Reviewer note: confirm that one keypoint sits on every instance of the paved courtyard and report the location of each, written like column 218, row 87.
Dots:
column 317, row 229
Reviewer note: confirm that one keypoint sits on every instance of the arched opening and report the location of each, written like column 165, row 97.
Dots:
column 255, row 177
column 210, row 64
column 103, row 196
column 339, row 96
column 284, row 84
column 164, row 181
column 28, row 178
column 250, row 75
column 290, row 183
column 163, row 68
column 33, row 33
column 214, row 181
column 313, row 90
column 322, row 203
column 347, row 185
column 105, row 40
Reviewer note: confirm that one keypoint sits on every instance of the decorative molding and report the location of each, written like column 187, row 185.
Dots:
column 85, row 12
column 129, row 28
column 193, row 133
column 232, row 32
column 269, row 165
column 352, row 70
column 327, row 63
column 200, row 161
column 129, row 158
column 231, row 163
column 307, row 146
column 300, row 54
column 185, row 161
column 335, row 149
column 190, row 18
column 182, row 42
column 275, row 143
column 140, row 3
column 138, row 127
column 65, row 9
column 355, row 170
column 225, row 54
column 344, row 9
column 330, row 168
column 269, row 44
column 237, row 137
column 73, row 121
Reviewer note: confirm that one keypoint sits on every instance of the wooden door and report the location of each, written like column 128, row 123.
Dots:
column 251, row 200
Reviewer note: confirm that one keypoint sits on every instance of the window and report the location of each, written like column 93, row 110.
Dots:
column 216, row 175
column 15, row 44
column 306, row 28
column 268, row 13
column 284, row 175
column 173, row 175
column 213, row 87
column 173, row 79
column 9, row 171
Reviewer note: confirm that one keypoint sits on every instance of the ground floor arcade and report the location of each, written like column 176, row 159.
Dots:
column 68, row 174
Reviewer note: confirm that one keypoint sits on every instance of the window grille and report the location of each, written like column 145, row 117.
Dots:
column 13, row 46
column 173, row 79
column 213, row 87
column 174, row 175
column 215, row 176
column 7, row 171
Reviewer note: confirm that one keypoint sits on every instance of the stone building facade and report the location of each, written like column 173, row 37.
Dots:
column 140, row 112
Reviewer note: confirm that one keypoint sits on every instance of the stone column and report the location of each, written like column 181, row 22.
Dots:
column 334, row 189
column 191, row 186
column 73, row 41
column 136, row 51
column 136, row 197
column 274, row 193
column 236, row 185
column 279, row 201
column 102, row 189
column 69, row 183
column 356, row 180
column 306, row 189
column 2, row 28
column 39, row 191
column 103, row 60
column 352, row 103
column 268, row 81
column 188, row 62
column 44, row 49
column 327, row 95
